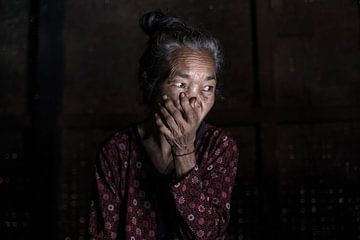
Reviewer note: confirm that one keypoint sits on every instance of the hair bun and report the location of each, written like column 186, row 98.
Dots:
column 156, row 21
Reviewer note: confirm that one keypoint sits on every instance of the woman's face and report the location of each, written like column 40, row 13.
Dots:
column 194, row 73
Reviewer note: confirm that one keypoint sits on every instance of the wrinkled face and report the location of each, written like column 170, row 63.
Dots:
column 194, row 73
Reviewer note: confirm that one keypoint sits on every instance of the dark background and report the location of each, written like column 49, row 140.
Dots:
column 292, row 100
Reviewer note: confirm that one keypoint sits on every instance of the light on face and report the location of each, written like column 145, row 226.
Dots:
column 193, row 73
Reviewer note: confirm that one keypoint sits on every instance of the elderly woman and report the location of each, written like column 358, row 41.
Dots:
column 170, row 176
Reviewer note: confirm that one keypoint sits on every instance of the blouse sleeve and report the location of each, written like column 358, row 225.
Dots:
column 105, row 203
column 202, row 198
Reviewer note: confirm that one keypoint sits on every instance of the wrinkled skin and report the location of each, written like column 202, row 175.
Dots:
column 188, row 95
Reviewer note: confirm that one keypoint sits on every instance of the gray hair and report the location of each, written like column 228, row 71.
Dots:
column 166, row 35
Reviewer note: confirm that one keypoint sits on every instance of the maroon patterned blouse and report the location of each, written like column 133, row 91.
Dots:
column 133, row 201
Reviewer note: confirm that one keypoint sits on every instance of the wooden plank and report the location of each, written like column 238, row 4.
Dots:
column 45, row 143
column 15, row 121
column 228, row 117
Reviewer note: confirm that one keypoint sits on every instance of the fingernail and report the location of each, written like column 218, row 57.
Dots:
column 164, row 97
column 182, row 95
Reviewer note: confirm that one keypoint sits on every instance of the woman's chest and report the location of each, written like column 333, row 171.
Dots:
column 148, row 203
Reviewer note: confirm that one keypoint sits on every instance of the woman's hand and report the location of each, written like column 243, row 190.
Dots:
column 179, row 124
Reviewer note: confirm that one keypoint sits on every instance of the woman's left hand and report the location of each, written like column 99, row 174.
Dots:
column 179, row 125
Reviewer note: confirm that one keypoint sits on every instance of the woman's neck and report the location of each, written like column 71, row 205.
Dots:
column 147, row 129
column 156, row 145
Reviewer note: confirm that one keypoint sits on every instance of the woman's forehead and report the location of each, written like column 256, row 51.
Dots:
column 188, row 59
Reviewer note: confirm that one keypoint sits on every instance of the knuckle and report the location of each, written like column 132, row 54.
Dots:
column 191, row 115
column 163, row 111
column 163, row 130
column 186, row 107
column 158, row 121
column 176, row 113
column 167, row 103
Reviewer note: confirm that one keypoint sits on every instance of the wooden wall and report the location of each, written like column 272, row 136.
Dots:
column 291, row 88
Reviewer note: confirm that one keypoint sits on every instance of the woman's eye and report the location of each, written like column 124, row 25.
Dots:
column 208, row 88
column 180, row 85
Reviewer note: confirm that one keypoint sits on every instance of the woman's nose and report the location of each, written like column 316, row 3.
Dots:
column 193, row 95
column 193, row 102
column 192, row 91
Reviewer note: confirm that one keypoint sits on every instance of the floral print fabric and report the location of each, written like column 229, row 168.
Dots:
column 133, row 201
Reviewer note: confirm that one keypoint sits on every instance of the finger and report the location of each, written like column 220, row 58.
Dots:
column 169, row 120
column 173, row 111
column 185, row 104
column 162, row 127
column 177, row 105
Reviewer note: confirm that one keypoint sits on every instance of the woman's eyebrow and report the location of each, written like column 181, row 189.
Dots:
column 187, row 76
column 212, row 77
column 182, row 75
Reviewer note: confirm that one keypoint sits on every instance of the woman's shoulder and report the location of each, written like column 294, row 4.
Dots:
column 119, row 138
column 217, row 133
column 218, row 137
